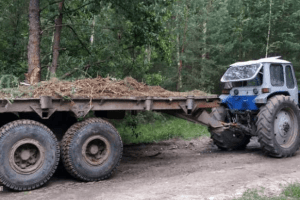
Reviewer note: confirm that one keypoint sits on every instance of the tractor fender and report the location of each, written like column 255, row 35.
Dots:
column 263, row 98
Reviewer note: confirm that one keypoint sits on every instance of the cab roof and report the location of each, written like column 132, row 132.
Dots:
column 263, row 60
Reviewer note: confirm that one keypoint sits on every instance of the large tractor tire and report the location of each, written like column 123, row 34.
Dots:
column 29, row 154
column 278, row 127
column 225, row 139
column 91, row 150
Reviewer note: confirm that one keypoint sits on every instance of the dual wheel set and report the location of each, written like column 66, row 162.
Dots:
column 29, row 152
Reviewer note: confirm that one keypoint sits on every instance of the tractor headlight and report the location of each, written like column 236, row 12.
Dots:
column 236, row 92
column 255, row 91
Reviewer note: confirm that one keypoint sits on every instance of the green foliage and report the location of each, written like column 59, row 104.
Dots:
column 154, row 79
column 148, row 39
column 9, row 85
column 8, row 81
column 13, row 36
column 291, row 192
column 254, row 194
column 147, row 127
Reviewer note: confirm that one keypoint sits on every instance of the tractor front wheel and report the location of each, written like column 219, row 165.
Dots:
column 226, row 139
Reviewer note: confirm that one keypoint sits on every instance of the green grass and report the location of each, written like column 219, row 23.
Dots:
column 150, row 127
column 291, row 192
column 257, row 195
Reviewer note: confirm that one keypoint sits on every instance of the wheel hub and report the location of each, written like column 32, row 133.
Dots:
column 283, row 127
column 26, row 156
column 286, row 127
column 96, row 150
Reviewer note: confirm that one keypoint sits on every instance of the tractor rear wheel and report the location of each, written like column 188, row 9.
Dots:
column 278, row 127
column 224, row 138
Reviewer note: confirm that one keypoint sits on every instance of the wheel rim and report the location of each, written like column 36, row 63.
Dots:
column 26, row 156
column 285, row 127
column 96, row 150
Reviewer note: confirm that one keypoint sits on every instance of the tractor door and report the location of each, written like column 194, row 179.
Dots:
column 283, row 80
column 291, row 83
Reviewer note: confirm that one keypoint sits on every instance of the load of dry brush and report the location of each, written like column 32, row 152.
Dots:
column 100, row 87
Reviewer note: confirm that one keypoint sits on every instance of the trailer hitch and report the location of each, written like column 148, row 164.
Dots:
column 237, row 127
column 209, row 121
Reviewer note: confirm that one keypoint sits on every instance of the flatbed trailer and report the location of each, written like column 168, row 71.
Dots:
column 45, row 106
column 36, row 133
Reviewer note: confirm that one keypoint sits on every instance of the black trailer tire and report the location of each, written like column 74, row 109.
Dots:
column 225, row 139
column 29, row 154
column 91, row 150
column 278, row 127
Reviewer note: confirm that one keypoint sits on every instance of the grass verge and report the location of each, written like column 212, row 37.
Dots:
column 150, row 127
column 290, row 192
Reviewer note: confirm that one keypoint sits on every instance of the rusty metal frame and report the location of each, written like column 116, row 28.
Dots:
column 46, row 106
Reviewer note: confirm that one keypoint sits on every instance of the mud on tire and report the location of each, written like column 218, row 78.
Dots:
column 91, row 150
column 226, row 139
column 278, row 127
column 29, row 154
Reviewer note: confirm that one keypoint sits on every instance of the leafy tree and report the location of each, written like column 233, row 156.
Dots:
column 181, row 45
column 13, row 37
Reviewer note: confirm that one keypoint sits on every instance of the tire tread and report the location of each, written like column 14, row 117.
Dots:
column 66, row 143
column 264, row 124
column 3, row 132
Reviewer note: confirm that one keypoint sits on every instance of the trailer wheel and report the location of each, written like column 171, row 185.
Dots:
column 226, row 139
column 91, row 150
column 29, row 154
column 278, row 127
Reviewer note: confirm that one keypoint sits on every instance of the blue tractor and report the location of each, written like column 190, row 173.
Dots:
column 260, row 98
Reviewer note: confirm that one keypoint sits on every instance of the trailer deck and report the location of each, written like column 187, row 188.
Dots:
column 45, row 106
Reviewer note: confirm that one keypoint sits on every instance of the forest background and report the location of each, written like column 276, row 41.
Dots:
column 177, row 44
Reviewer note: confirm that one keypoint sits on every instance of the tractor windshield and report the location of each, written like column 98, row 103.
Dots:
column 241, row 73
column 257, row 81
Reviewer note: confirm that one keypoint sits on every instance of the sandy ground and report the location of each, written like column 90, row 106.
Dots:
column 176, row 169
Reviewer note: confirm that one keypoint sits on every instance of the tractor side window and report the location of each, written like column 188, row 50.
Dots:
column 289, row 77
column 276, row 72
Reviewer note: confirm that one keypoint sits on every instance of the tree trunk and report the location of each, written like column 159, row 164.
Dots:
column 148, row 54
column 180, row 52
column 204, row 40
column 269, row 30
column 58, row 27
column 179, row 80
column 93, row 31
column 34, row 64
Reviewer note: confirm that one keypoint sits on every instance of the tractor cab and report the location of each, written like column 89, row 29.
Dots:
column 259, row 99
column 250, row 84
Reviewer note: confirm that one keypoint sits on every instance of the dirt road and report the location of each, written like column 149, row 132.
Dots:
column 176, row 169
